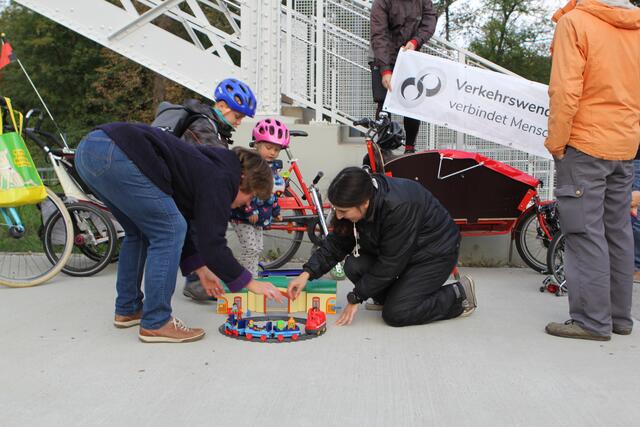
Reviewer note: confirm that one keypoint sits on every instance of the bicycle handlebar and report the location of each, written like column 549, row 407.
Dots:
column 362, row 122
column 44, row 139
column 35, row 137
column 382, row 121
column 40, row 118
column 318, row 177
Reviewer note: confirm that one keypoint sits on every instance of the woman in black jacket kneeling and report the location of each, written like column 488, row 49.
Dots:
column 401, row 246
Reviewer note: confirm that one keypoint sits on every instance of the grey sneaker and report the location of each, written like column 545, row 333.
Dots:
column 374, row 305
column 570, row 329
column 194, row 290
column 470, row 303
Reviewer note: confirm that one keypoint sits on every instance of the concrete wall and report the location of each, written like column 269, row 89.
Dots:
column 323, row 151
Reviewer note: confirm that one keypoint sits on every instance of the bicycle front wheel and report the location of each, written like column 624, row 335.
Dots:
column 23, row 262
column 94, row 238
column 531, row 243
column 280, row 245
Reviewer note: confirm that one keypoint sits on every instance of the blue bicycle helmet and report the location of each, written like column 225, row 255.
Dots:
column 237, row 95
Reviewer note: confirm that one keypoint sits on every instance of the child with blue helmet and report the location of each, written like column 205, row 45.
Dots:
column 269, row 137
column 234, row 100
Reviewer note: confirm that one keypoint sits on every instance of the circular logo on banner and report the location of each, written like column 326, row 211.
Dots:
column 415, row 89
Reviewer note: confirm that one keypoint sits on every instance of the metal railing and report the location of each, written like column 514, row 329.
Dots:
column 325, row 55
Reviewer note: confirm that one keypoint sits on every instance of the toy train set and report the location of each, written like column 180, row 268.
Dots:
column 274, row 328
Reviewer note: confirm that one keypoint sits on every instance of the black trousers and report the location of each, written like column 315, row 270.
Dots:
column 417, row 296
column 411, row 126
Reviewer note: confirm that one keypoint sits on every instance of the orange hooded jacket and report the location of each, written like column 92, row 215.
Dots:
column 595, row 81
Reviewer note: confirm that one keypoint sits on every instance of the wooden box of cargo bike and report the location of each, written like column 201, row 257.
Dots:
column 484, row 196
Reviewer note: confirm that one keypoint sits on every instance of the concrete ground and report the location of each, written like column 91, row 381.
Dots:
column 62, row 363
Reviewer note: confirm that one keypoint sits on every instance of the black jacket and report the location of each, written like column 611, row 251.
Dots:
column 394, row 23
column 202, row 180
column 404, row 224
column 212, row 132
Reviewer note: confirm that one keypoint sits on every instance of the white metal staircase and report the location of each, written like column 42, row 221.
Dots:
column 314, row 52
column 196, row 43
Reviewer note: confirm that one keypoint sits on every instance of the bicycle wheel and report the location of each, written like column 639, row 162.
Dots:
column 22, row 261
column 531, row 242
column 94, row 238
column 281, row 245
column 555, row 258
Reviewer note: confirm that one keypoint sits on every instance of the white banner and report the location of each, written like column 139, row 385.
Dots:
column 497, row 107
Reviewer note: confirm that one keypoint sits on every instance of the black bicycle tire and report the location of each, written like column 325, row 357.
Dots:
column 528, row 218
column 98, row 265
column 557, row 243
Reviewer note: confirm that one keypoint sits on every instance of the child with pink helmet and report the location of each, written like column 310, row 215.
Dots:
column 269, row 137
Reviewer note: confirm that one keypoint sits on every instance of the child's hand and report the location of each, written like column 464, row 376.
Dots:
column 253, row 219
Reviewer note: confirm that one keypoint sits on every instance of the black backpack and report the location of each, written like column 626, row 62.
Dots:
column 176, row 118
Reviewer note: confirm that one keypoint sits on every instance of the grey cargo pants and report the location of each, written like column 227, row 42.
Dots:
column 594, row 199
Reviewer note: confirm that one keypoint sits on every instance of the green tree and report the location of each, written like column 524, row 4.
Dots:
column 443, row 8
column 83, row 83
column 514, row 34
column 61, row 63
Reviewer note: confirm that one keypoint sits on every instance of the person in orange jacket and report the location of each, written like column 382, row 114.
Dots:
column 594, row 133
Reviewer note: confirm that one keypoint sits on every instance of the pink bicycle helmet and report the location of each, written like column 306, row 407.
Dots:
column 271, row 130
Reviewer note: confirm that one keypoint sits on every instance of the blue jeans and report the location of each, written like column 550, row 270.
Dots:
column 154, row 228
column 635, row 222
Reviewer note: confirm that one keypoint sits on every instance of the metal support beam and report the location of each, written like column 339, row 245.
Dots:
column 319, row 68
column 144, row 19
column 261, row 37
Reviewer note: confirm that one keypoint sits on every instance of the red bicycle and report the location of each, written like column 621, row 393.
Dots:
column 303, row 212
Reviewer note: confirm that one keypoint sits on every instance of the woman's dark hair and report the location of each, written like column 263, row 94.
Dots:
column 256, row 173
column 350, row 188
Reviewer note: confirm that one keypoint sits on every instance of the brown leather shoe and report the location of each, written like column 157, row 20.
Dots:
column 570, row 329
column 173, row 331
column 127, row 321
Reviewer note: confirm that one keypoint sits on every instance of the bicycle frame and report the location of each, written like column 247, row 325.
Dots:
column 310, row 203
column 542, row 219
column 12, row 221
